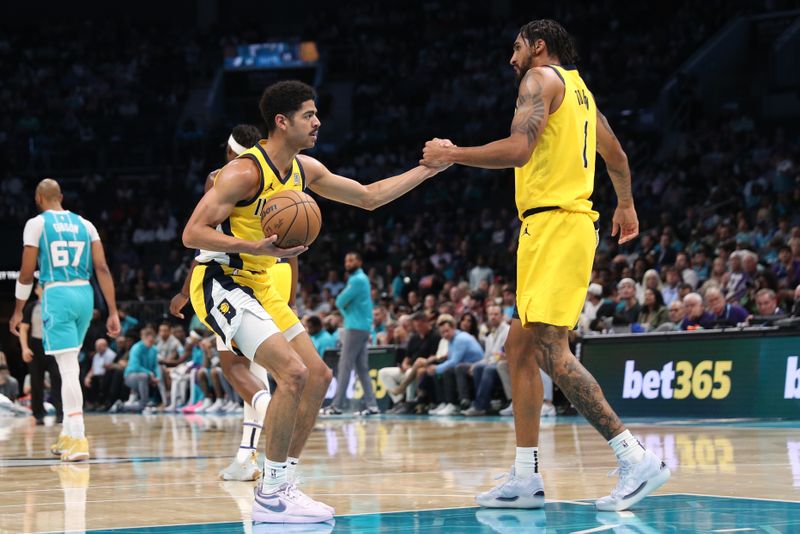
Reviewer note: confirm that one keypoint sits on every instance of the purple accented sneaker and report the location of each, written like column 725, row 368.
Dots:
column 636, row 481
column 515, row 492
column 287, row 505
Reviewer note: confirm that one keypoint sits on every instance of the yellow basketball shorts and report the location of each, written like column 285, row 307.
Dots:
column 554, row 266
column 220, row 295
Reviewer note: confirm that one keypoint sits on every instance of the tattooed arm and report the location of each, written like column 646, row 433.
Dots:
column 537, row 90
column 625, row 221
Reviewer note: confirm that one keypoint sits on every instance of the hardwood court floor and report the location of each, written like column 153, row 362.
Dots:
column 162, row 470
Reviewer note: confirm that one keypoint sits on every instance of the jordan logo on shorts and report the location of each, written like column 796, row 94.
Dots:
column 525, row 232
column 227, row 311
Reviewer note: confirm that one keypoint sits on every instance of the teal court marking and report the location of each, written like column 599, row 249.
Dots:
column 675, row 513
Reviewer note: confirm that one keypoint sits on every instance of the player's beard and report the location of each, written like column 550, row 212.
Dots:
column 523, row 70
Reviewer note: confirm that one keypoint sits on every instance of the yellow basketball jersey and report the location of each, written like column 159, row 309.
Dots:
column 561, row 169
column 244, row 221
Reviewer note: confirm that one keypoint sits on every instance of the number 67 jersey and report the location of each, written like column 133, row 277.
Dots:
column 64, row 240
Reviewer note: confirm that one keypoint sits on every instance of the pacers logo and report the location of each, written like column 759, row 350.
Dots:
column 227, row 311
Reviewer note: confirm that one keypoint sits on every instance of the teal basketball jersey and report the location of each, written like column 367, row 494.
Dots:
column 64, row 240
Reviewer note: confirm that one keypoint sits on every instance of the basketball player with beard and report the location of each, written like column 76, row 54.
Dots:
column 555, row 133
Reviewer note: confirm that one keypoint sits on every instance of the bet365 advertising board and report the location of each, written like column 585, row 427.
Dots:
column 698, row 374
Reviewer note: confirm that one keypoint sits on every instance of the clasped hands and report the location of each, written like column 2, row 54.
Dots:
column 436, row 154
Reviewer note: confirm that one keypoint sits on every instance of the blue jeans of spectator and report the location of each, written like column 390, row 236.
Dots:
column 486, row 378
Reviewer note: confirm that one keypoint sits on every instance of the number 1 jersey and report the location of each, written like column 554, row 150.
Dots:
column 560, row 171
column 64, row 240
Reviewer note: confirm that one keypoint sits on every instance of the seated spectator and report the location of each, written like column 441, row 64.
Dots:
column 670, row 289
column 8, row 384
column 217, row 391
column 628, row 308
column 170, row 354
column 482, row 376
column 653, row 313
column 737, row 281
column 718, row 271
column 463, row 347
column 117, row 392
column 605, row 313
column 696, row 315
column 479, row 273
column 796, row 307
column 143, row 370
column 509, row 303
column 399, row 381
column 677, row 313
column 96, row 381
column 594, row 298
column 469, row 324
column 684, row 289
column 320, row 337
column 726, row 314
column 767, row 303
column 787, row 269
column 394, row 335
column 182, row 376
column 379, row 318
column 333, row 284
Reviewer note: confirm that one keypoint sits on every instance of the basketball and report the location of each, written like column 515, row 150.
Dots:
column 293, row 216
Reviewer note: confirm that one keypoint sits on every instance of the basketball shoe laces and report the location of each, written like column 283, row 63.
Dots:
column 622, row 488
column 294, row 491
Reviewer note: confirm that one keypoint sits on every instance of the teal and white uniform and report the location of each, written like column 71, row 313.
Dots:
column 64, row 240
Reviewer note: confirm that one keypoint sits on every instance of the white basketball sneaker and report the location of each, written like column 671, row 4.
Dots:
column 287, row 506
column 515, row 492
column 636, row 481
column 247, row 470
column 301, row 495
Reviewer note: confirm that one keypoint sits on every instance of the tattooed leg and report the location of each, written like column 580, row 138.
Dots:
column 551, row 349
column 527, row 391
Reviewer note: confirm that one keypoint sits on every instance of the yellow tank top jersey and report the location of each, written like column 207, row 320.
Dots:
column 560, row 171
column 244, row 221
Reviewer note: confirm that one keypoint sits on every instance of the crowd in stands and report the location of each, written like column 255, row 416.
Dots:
column 719, row 209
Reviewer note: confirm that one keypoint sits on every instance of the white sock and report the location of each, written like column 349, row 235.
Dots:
column 291, row 468
column 252, row 425
column 526, row 463
column 71, row 394
column 274, row 476
column 627, row 448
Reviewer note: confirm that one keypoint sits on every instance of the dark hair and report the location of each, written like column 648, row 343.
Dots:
column 419, row 316
column 283, row 98
column 659, row 298
column 559, row 42
column 314, row 321
column 356, row 254
column 246, row 135
column 473, row 330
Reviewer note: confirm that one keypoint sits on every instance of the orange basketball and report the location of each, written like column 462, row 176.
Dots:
column 293, row 216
